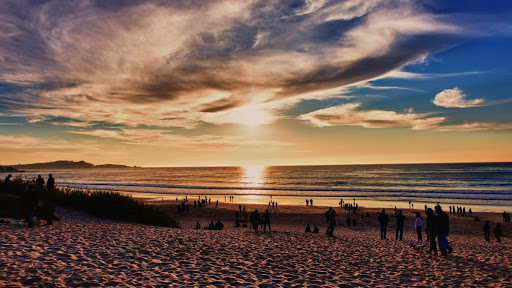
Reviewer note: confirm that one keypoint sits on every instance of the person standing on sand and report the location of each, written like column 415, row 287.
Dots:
column 349, row 221
column 327, row 214
column 487, row 231
column 443, row 231
column 51, row 182
column 383, row 219
column 400, row 218
column 255, row 220
column 307, row 202
column 431, row 229
column 311, row 202
column 419, row 226
column 498, row 232
column 39, row 182
column 332, row 223
column 266, row 222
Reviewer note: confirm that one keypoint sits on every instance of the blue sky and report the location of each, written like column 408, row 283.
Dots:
column 171, row 83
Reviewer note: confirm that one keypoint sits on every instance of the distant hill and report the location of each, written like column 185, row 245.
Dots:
column 66, row 165
column 8, row 169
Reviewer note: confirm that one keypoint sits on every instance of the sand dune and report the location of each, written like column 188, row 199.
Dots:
column 84, row 251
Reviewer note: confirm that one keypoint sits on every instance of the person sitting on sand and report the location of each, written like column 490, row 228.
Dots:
column 198, row 226
column 487, row 231
column 211, row 226
column 383, row 219
column 219, row 225
column 315, row 229
column 498, row 232
column 431, row 230
column 308, row 229
column 400, row 218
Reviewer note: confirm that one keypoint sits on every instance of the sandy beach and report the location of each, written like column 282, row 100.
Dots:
column 84, row 251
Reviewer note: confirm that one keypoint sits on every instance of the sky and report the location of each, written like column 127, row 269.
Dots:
column 221, row 83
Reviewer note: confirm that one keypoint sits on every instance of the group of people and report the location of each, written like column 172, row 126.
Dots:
column 50, row 184
column 256, row 221
column 309, row 202
column 216, row 226
column 437, row 226
column 460, row 211
column 498, row 232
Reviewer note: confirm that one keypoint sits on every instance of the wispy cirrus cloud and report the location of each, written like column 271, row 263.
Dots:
column 177, row 64
column 455, row 98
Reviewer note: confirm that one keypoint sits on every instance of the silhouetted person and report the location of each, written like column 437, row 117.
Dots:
column 470, row 212
column 383, row 219
column 311, row 202
column 327, row 213
column 315, row 229
column 211, row 226
column 498, row 233
column 266, row 222
column 332, row 223
column 443, row 229
column 51, row 182
column 431, row 229
column 198, row 226
column 29, row 201
column 240, row 208
column 219, row 225
column 307, row 202
column 487, row 231
column 7, row 179
column 450, row 207
column 349, row 221
column 308, row 229
column 419, row 226
column 400, row 218
column 255, row 220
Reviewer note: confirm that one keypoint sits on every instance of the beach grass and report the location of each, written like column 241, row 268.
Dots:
column 104, row 204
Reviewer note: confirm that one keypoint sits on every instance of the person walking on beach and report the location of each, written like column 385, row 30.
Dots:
column 327, row 214
column 266, row 222
column 332, row 223
column 311, row 202
column 255, row 220
column 51, row 182
column 498, row 232
column 443, row 231
column 349, row 221
column 419, row 226
column 400, row 218
column 487, row 231
column 383, row 219
column 307, row 202
column 431, row 229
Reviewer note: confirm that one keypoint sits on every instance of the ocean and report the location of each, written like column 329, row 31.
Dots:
column 480, row 186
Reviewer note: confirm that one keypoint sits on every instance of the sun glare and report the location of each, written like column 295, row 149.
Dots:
column 251, row 115
column 254, row 176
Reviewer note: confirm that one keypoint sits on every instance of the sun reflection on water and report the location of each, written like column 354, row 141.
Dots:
column 254, row 176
